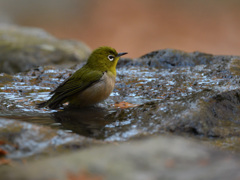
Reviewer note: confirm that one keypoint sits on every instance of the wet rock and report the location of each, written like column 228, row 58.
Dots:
column 217, row 116
column 24, row 48
column 156, row 158
column 25, row 140
column 169, row 58
column 197, row 97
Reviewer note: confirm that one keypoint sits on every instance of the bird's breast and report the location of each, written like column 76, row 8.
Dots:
column 97, row 92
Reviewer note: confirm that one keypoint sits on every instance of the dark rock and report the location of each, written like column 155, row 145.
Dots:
column 24, row 48
column 170, row 58
column 218, row 116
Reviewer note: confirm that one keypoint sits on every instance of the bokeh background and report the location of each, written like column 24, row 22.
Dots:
column 136, row 26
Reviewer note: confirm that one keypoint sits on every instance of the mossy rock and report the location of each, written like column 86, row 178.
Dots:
column 24, row 48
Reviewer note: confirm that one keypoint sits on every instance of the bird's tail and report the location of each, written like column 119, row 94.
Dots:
column 52, row 103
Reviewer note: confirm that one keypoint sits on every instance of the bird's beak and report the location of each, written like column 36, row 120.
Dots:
column 121, row 54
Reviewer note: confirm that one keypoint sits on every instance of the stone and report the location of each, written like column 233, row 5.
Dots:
column 24, row 48
column 168, row 58
column 31, row 141
column 159, row 157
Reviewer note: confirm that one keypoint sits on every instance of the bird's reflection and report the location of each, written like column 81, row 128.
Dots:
column 89, row 122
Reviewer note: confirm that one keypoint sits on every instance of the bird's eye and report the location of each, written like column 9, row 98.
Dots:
column 111, row 57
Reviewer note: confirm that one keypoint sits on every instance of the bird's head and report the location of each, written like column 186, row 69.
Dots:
column 104, row 59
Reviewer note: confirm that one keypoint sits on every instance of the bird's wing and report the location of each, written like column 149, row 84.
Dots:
column 78, row 82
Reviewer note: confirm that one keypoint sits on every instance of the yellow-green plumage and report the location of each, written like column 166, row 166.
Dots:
column 89, row 85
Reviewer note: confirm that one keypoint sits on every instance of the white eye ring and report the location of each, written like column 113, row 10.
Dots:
column 110, row 57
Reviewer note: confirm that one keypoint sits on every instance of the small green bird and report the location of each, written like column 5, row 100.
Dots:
column 89, row 85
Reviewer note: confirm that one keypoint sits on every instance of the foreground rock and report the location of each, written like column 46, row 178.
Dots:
column 24, row 48
column 156, row 158
column 24, row 140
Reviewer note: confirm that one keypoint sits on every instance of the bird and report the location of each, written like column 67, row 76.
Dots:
column 89, row 85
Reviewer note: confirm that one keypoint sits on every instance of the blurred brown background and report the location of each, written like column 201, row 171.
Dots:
column 136, row 26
